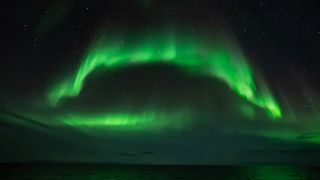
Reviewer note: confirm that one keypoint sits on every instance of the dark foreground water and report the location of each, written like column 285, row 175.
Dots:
column 119, row 172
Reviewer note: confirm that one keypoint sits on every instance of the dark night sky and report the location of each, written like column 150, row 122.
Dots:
column 42, row 41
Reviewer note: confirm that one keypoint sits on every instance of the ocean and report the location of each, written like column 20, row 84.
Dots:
column 145, row 172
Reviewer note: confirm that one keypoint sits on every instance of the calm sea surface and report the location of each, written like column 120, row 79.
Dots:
column 118, row 172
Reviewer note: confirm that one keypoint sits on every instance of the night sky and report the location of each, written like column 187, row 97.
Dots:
column 160, row 82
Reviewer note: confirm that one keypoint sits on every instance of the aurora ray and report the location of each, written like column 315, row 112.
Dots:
column 219, row 60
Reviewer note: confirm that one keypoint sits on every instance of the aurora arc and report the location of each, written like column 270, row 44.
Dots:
column 219, row 61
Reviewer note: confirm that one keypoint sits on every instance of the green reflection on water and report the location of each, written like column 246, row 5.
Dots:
column 273, row 173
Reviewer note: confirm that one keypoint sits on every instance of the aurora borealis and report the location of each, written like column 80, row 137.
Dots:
column 192, row 83
column 148, row 120
column 225, row 64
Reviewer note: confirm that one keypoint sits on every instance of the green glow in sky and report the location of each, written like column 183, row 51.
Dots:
column 130, row 121
column 218, row 60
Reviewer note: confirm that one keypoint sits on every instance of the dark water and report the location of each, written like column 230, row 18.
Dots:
column 118, row 172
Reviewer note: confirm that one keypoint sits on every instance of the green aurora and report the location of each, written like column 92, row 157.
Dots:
column 216, row 59
column 147, row 120
column 220, row 59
